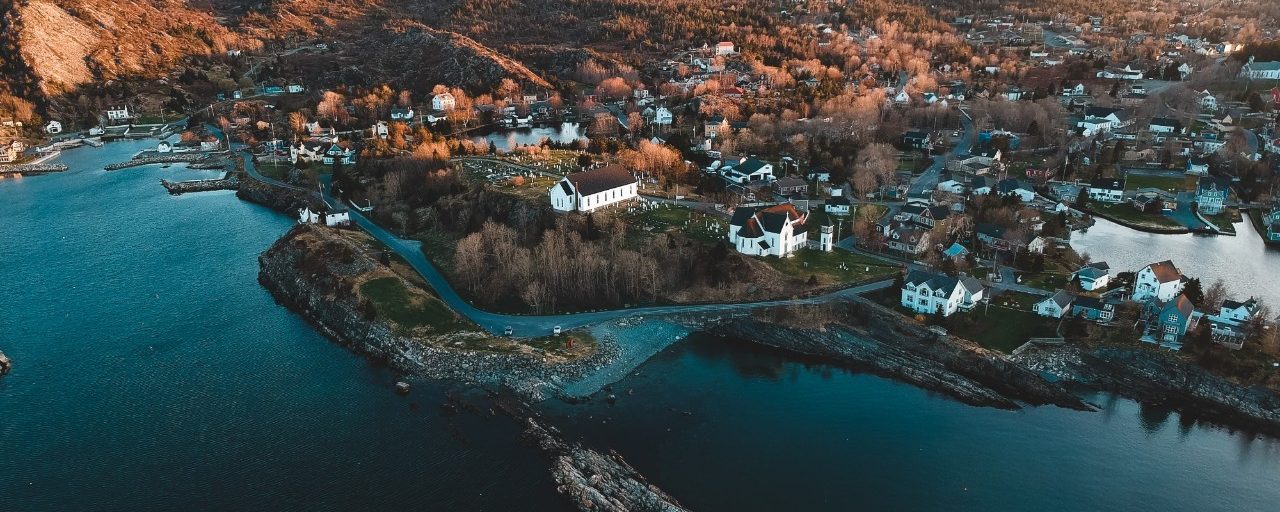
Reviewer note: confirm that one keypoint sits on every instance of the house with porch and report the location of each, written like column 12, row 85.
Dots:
column 1160, row 280
column 1107, row 190
column 777, row 230
column 928, row 293
column 916, row 139
column 1198, row 166
column 907, row 238
column 594, row 189
column 1211, row 194
column 1229, row 327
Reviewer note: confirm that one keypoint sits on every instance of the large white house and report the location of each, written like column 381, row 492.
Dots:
column 927, row 293
column 594, row 189
column 1161, row 281
column 749, row 170
column 1107, row 190
column 777, row 230
column 1260, row 70
column 443, row 102
column 1211, row 193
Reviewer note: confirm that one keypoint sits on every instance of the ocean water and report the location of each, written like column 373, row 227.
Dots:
column 154, row 373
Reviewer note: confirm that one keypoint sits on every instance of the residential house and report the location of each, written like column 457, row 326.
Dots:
column 714, row 126
column 1107, row 190
column 1128, row 72
column 337, row 153
column 444, row 102
column 9, row 152
column 1230, row 326
column 750, row 170
column 1198, row 166
column 1036, row 244
column 594, row 189
column 820, row 174
column 1254, row 70
column 918, row 139
column 1164, row 125
column 1161, row 281
column 951, row 186
column 908, row 238
column 956, row 251
column 936, row 218
column 1211, row 194
column 1208, row 101
column 724, row 48
column 1272, row 221
column 791, row 187
column 1055, row 306
column 991, row 234
column 402, row 114
column 927, row 293
column 53, row 127
column 777, row 230
column 1094, row 276
column 1014, row 187
column 1092, row 308
column 1168, row 320
column 118, row 114
column 837, row 204
column 661, row 117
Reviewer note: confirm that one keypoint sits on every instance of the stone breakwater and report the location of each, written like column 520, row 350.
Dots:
column 592, row 481
column 884, row 343
column 182, row 187
column 30, row 169
column 1148, row 376
column 5, row 364
column 275, row 197
column 309, row 281
column 168, row 159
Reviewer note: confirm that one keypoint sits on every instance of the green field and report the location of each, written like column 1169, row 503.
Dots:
column 1125, row 212
column 695, row 225
column 394, row 303
column 1171, row 184
column 999, row 328
column 827, row 266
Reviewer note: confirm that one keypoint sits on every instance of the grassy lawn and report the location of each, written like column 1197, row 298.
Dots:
column 1225, row 220
column 999, row 328
column 556, row 161
column 1161, row 182
column 827, row 266
column 1045, row 280
column 510, row 179
column 871, row 212
column 1126, row 213
column 279, row 171
column 407, row 310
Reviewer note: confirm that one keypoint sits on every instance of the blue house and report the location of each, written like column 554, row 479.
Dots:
column 1091, row 308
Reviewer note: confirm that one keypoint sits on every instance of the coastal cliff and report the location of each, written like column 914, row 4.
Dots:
column 1151, row 377
column 872, row 338
column 275, row 197
column 320, row 273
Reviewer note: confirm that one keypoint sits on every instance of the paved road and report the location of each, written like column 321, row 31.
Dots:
column 1252, row 138
column 929, row 179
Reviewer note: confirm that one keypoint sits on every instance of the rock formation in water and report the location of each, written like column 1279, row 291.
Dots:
column 593, row 481
column 5, row 364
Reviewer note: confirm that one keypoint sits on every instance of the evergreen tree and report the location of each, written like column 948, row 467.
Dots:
column 1194, row 292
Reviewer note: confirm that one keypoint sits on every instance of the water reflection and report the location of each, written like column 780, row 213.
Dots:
column 505, row 139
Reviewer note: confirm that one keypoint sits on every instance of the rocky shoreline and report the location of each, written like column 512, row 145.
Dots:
column 281, row 199
column 5, row 364
column 1148, row 376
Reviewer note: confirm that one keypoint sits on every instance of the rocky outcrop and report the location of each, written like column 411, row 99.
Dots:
column 5, row 364
column 592, row 481
column 309, row 269
column 1159, row 378
column 887, row 344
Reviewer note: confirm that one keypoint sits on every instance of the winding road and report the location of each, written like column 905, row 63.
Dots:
column 533, row 326
column 929, row 179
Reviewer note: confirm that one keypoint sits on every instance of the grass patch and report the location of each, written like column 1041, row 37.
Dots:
column 871, row 212
column 395, row 303
column 1125, row 213
column 1169, row 183
column 1000, row 328
column 698, row 226
column 276, row 170
column 835, row 267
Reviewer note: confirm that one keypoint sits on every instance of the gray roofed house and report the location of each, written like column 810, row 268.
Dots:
column 1055, row 306
column 929, row 293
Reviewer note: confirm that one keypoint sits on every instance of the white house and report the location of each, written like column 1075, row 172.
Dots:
column 402, row 114
column 927, row 293
column 118, row 113
column 1161, row 281
column 1211, row 194
column 1198, row 166
column 661, row 117
column 53, row 127
column 750, row 170
column 774, row 231
column 591, row 190
column 1260, row 70
column 1107, row 190
column 1208, row 101
column 164, row 147
column 1094, row 276
column 338, row 218
column 1162, row 125
column 337, row 153
column 443, row 102
column 1056, row 306
column 951, row 186
column 724, row 48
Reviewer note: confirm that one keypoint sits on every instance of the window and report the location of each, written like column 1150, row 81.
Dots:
column 1172, row 318
column 1171, row 328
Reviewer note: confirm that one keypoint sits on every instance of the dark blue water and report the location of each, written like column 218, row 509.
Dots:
column 154, row 373
column 769, row 432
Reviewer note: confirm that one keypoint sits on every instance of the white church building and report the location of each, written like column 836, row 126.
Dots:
column 777, row 230
column 591, row 190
